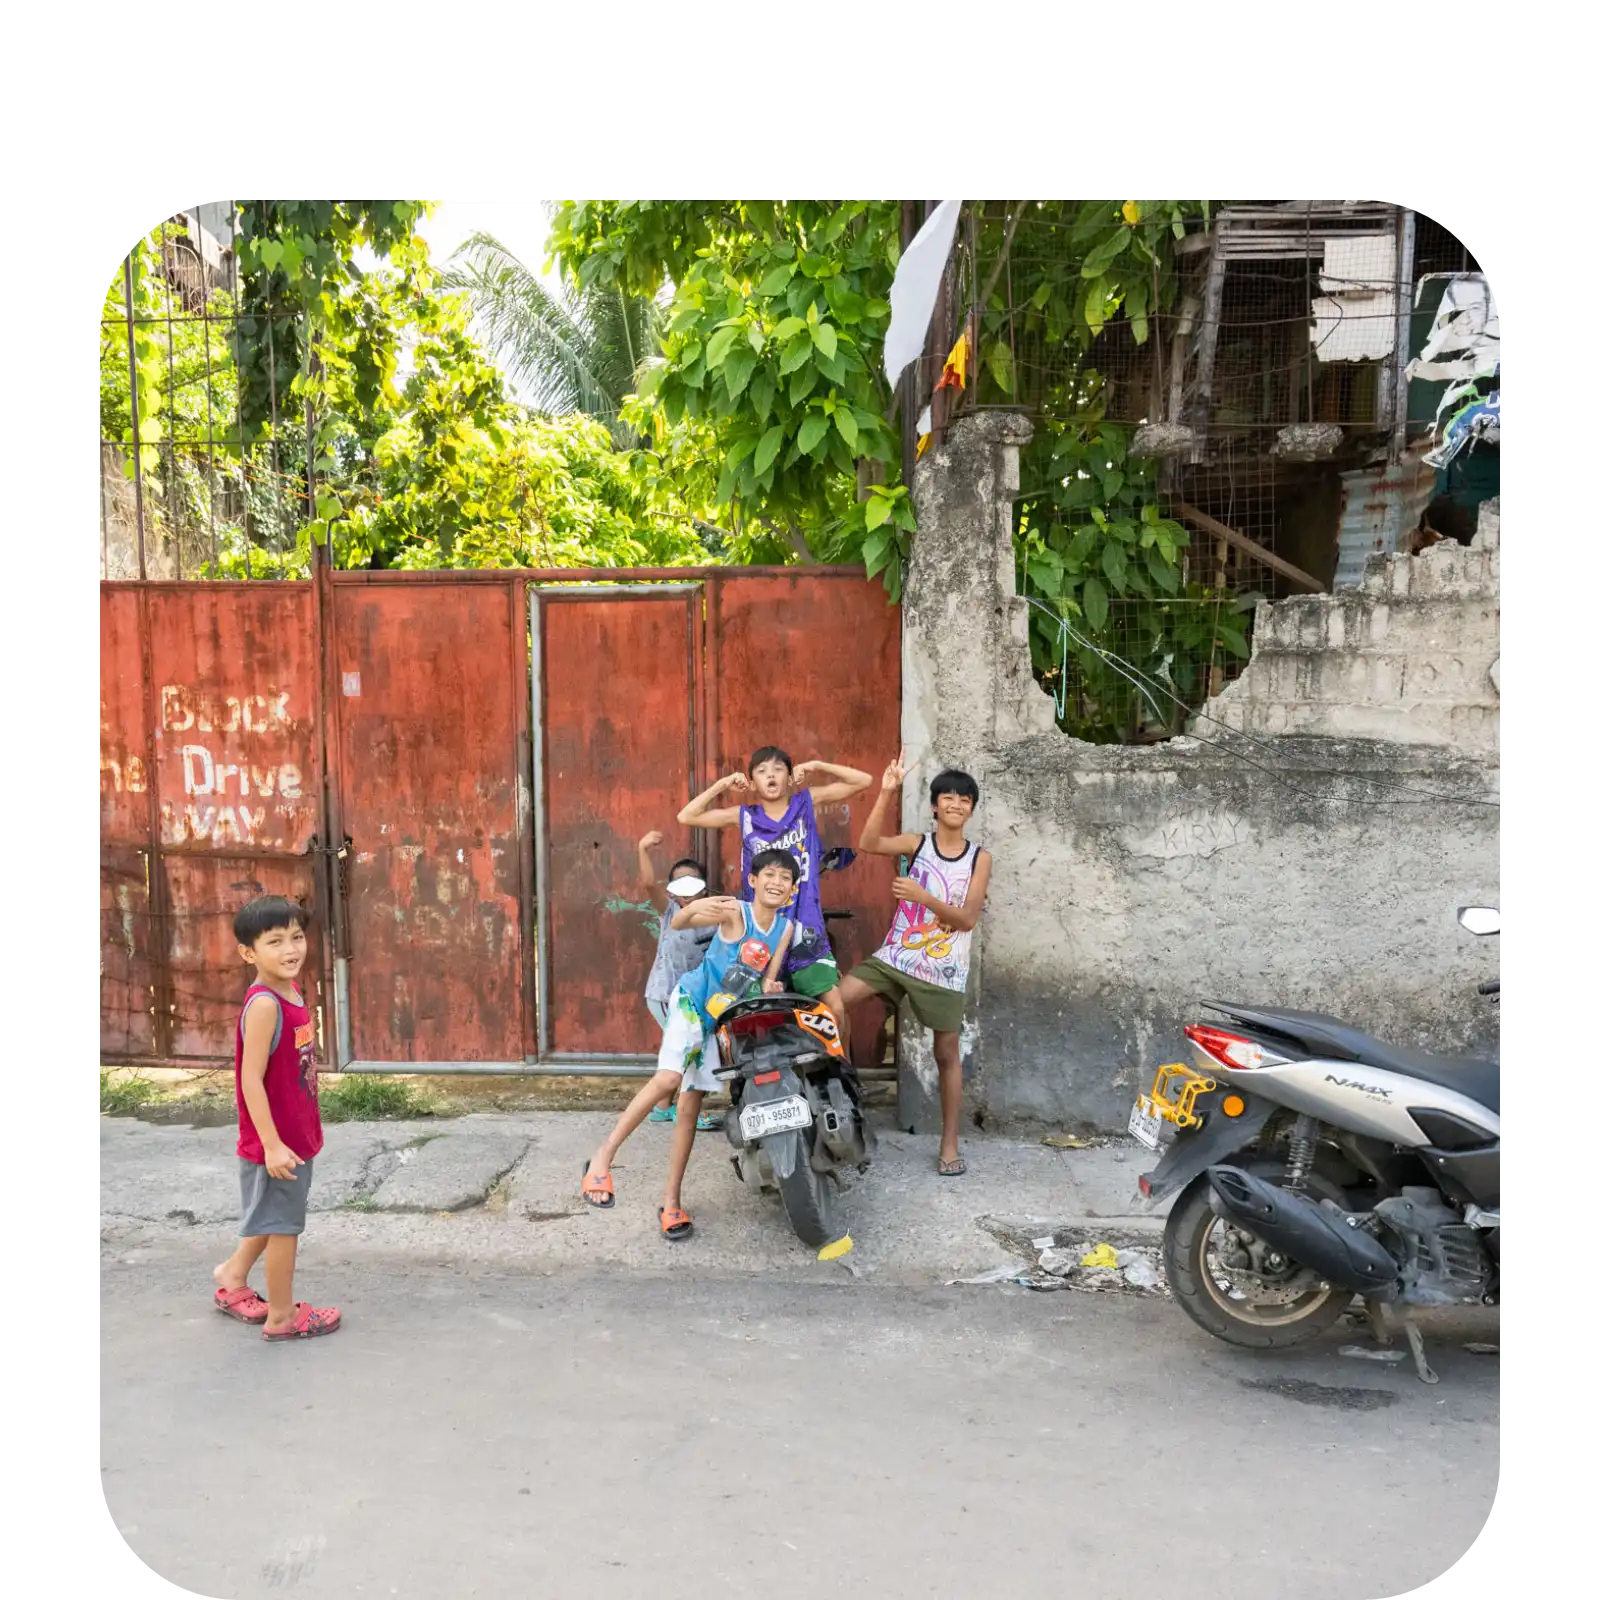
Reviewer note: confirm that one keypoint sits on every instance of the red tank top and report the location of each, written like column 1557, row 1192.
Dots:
column 291, row 1080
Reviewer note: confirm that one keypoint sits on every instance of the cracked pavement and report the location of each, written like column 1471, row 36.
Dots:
column 505, row 1187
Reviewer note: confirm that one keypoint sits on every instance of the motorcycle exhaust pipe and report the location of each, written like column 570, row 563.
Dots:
column 1302, row 1230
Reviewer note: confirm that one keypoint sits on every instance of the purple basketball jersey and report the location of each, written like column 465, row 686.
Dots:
column 796, row 832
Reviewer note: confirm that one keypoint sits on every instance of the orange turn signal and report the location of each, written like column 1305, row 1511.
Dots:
column 1233, row 1106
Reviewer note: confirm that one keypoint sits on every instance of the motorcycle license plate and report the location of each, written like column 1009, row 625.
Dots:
column 775, row 1116
column 1145, row 1125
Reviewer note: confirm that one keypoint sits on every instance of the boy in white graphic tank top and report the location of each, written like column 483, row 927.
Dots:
column 928, row 953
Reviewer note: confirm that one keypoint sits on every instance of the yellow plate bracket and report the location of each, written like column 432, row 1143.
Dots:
column 1173, row 1094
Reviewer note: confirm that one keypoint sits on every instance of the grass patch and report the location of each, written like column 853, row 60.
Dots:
column 123, row 1096
column 357, row 1097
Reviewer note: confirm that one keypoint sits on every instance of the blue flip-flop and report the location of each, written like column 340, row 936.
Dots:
column 658, row 1115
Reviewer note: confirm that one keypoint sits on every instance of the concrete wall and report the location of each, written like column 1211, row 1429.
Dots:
column 1412, row 655
column 1130, row 884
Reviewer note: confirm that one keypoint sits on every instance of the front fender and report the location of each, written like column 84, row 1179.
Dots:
column 1195, row 1149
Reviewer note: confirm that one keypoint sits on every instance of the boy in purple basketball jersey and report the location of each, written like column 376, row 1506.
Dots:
column 781, row 815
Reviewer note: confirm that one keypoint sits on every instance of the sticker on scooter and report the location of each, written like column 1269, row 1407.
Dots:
column 820, row 1025
column 1352, row 1083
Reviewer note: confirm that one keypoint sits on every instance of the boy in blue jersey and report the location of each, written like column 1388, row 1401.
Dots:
column 752, row 934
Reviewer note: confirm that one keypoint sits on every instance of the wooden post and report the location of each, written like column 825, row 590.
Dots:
column 1239, row 541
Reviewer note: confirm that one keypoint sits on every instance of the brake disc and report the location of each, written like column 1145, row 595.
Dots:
column 1246, row 1269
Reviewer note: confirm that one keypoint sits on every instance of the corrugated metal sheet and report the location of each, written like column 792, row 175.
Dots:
column 1382, row 505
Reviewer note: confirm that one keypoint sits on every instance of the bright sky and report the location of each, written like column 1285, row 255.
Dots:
column 520, row 225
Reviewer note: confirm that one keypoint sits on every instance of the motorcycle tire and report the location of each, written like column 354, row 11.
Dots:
column 808, row 1201
column 1183, row 1245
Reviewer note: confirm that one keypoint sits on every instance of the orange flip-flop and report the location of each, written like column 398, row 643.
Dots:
column 590, row 1187
column 675, row 1224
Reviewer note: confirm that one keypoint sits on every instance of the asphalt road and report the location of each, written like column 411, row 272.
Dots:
column 634, row 1434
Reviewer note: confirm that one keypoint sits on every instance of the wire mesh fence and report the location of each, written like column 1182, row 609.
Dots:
column 185, row 491
column 1222, row 415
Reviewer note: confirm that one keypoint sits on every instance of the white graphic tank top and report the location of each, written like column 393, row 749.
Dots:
column 919, row 945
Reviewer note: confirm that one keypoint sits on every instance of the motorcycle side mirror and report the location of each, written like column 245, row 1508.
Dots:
column 1480, row 920
column 838, row 858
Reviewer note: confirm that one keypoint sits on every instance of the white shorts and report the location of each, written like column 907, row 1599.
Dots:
column 658, row 1010
column 686, row 1048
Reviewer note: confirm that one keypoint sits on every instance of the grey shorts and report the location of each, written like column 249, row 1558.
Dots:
column 272, row 1205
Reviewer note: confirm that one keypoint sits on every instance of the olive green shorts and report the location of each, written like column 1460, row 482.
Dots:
column 936, row 1008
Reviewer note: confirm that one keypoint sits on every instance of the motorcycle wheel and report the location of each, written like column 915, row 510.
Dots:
column 1226, row 1309
column 808, row 1201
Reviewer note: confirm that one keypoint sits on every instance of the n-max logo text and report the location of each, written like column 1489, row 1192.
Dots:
column 1352, row 1083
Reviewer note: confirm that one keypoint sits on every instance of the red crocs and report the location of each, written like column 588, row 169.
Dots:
column 309, row 1322
column 243, row 1305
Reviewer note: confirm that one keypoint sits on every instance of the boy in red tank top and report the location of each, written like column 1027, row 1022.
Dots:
column 280, row 1127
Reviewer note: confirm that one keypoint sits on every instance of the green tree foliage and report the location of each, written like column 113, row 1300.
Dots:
column 775, row 345
column 419, row 456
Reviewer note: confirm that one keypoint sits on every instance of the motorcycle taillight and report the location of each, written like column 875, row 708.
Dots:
column 1230, row 1049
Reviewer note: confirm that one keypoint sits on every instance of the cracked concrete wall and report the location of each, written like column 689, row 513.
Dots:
column 1130, row 884
column 1412, row 655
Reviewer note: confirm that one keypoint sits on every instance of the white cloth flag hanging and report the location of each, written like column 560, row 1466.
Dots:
column 916, row 287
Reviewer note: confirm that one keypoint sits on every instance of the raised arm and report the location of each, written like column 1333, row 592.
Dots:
column 873, row 839
column 962, row 918
column 709, row 912
column 654, row 890
column 702, row 813
column 845, row 782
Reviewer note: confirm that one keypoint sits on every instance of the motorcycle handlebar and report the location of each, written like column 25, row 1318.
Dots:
column 1491, row 987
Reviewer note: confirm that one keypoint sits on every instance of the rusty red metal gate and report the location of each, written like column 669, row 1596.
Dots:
column 431, row 700
column 615, row 682
column 458, row 723
column 211, row 791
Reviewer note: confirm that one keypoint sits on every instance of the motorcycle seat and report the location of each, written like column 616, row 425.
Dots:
column 1472, row 1076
